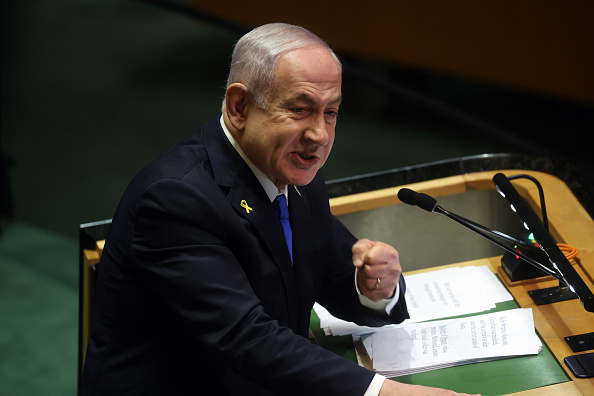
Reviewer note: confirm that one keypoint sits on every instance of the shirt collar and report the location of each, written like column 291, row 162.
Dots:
column 269, row 187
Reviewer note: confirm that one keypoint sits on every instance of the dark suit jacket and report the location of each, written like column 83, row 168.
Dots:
column 195, row 295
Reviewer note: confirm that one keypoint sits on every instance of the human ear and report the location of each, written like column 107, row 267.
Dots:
column 236, row 105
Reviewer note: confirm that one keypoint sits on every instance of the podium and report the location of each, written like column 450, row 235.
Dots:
column 570, row 218
column 570, row 205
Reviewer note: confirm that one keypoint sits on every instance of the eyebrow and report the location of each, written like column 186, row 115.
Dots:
column 309, row 100
column 337, row 100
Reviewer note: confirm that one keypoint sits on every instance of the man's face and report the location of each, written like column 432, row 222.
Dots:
column 291, row 139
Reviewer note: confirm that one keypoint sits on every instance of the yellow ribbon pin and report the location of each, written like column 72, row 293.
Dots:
column 244, row 205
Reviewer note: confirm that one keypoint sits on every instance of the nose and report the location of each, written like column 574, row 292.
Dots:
column 316, row 132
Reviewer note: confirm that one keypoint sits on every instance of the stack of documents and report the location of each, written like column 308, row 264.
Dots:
column 419, row 347
column 434, row 295
column 426, row 341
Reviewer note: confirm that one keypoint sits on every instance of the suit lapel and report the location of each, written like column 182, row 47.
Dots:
column 301, row 220
column 247, row 197
column 258, row 210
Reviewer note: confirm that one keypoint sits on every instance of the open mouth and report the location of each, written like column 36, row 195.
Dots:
column 306, row 157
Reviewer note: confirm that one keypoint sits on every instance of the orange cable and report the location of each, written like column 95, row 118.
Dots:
column 569, row 251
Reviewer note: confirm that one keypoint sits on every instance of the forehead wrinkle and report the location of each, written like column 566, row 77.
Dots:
column 308, row 99
column 337, row 100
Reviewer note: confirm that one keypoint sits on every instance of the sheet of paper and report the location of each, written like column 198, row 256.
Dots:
column 453, row 292
column 333, row 326
column 434, row 295
column 428, row 346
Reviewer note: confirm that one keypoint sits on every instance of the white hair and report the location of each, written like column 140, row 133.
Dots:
column 257, row 53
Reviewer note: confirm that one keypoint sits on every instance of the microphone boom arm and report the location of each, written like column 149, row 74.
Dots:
column 476, row 226
column 428, row 203
column 481, row 231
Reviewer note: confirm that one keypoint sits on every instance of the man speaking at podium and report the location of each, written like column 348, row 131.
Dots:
column 219, row 249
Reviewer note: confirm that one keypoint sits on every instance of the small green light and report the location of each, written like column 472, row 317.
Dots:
column 531, row 237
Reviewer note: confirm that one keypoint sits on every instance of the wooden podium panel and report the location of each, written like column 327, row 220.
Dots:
column 569, row 223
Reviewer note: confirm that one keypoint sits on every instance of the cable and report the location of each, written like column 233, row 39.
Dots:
column 572, row 251
column 543, row 207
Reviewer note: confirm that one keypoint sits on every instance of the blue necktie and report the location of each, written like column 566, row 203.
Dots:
column 282, row 211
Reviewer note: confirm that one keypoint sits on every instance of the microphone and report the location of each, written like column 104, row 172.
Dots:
column 567, row 273
column 428, row 203
column 414, row 198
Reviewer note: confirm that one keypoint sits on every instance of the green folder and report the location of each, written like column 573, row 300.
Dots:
column 497, row 377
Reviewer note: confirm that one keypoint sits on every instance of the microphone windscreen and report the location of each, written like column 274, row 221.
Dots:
column 414, row 198
column 426, row 202
column 407, row 196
